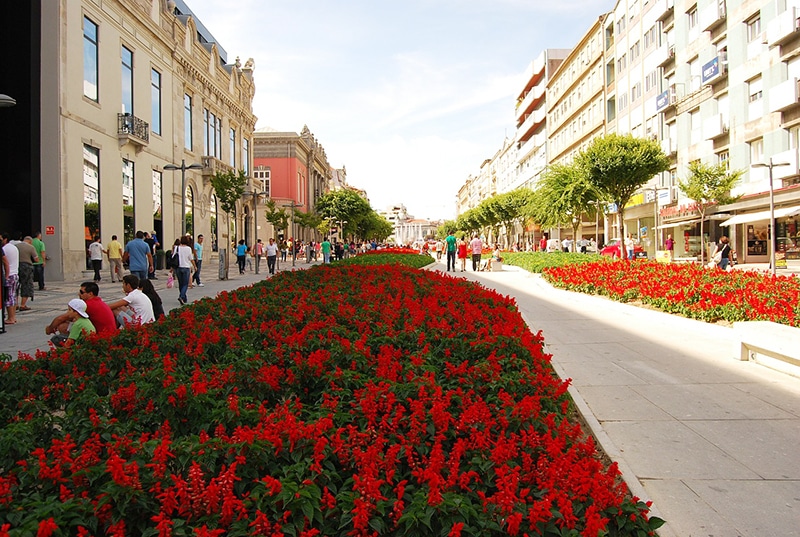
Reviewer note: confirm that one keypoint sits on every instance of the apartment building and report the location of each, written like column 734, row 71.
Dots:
column 123, row 92
column 732, row 98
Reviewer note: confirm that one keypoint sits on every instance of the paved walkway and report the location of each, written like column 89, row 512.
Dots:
column 713, row 441
column 28, row 334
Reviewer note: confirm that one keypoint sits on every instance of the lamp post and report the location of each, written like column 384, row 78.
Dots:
column 772, row 241
column 183, row 167
column 292, row 205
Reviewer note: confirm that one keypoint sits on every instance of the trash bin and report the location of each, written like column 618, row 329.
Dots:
column 160, row 257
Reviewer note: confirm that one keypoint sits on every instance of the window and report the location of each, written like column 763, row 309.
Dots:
column 187, row 121
column 127, row 81
column 206, row 139
column 246, row 156
column 754, row 29
column 262, row 175
column 91, row 174
column 233, row 147
column 635, row 51
column 218, row 139
column 622, row 63
column 692, row 17
column 755, row 90
column 128, row 213
column 90, row 60
column 155, row 101
column 723, row 158
column 756, row 151
column 157, row 188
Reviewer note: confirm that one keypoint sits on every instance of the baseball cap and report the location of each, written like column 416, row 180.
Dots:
column 80, row 306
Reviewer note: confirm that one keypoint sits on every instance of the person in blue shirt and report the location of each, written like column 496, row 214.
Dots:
column 241, row 253
column 198, row 259
column 138, row 256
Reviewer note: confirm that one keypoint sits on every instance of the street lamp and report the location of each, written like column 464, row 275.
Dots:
column 183, row 167
column 255, row 196
column 771, row 209
column 6, row 101
column 292, row 205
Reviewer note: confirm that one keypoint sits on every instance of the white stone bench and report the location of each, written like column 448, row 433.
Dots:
column 771, row 344
column 497, row 266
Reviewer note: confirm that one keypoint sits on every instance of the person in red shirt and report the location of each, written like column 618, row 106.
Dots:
column 99, row 312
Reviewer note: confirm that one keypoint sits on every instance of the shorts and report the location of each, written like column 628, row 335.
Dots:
column 12, row 283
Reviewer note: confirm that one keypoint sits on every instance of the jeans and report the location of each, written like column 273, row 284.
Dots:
column 326, row 257
column 196, row 276
column 183, row 281
column 38, row 272
column 271, row 263
column 723, row 263
column 451, row 260
column 630, row 254
column 476, row 262
column 240, row 261
column 141, row 274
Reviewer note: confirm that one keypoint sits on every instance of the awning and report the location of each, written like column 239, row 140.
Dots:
column 681, row 223
column 760, row 215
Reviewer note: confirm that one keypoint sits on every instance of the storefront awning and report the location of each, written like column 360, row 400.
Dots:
column 760, row 215
column 681, row 223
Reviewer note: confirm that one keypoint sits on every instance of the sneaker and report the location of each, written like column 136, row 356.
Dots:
column 201, row 285
column 182, row 301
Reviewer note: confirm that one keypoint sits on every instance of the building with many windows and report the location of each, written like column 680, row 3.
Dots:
column 124, row 90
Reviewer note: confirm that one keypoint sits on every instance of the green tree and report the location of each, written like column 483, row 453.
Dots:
column 446, row 228
column 374, row 226
column 277, row 216
column 343, row 206
column 707, row 185
column 618, row 165
column 562, row 196
column 229, row 188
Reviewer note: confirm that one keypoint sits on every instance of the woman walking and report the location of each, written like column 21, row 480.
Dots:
column 185, row 267
column 241, row 253
column 462, row 253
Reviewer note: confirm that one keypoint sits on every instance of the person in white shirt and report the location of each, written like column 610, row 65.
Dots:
column 135, row 307
column 272, row 255
column 96, row 256
column 11, row 253
column 186, row 265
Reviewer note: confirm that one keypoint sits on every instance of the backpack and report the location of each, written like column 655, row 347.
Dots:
column 174, row 261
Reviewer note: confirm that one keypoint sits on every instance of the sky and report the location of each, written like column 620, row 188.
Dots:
column 410, row 96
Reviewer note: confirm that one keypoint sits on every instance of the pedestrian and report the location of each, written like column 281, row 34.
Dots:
column 259, row 253
column 241, row 253
column 629, row 246
column 198, row 260
column 96, row 256
column 134, row 308
column 114, row 253
column 450, row 245
column 284, row 249
column 38, row 267
column 99, row 313
column 11, row 254
column 543, row 243
column 338, row 251
column 462, row 253
column 317, row 250
column 669, row 244
column 27, row 257
column 271, row 250
column 326, row 250
column 146, row 287
column 476, row 245
column 79, row 324
column 138, row 256
column 185, row 265
column 151, row 242
column 722, row 255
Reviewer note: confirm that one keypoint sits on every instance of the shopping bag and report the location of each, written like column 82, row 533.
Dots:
column 170, row 282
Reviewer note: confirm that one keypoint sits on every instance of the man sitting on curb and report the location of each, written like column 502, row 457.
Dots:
column 135, row 307
column 76, row 313
column 99, row 313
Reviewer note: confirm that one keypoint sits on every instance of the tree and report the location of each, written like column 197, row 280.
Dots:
column 708, row 185
column 343, row 206
column 277, row 216
column 562, row 196
column 618, row 165
column 229, row 187
column 446, row 228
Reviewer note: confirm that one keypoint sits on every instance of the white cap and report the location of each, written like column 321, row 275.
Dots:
column 80, row 306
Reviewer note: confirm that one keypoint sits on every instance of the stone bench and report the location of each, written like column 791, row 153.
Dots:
column 497, row 266
column 771, row 344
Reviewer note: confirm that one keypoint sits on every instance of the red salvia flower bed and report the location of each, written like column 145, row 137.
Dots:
column 342, row 400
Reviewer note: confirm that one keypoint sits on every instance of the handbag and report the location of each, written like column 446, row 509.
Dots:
column 170, row 282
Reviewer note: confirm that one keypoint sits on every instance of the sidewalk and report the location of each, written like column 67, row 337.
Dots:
column 711, row 440
column 28, row 334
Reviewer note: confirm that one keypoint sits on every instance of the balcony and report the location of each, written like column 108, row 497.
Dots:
column 784, row 96
column 665, row 55
column 212, row 165
column 715, row 127
column 535, row 94
column 134, row 130
column 663, row 9
column 783, row 27
column 532, row 122
column 713, row 15
column 783, row 172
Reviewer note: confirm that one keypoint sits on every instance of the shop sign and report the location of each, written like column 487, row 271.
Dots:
column 678, row 212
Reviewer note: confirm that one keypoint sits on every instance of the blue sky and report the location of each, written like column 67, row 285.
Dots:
column 411, row 96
